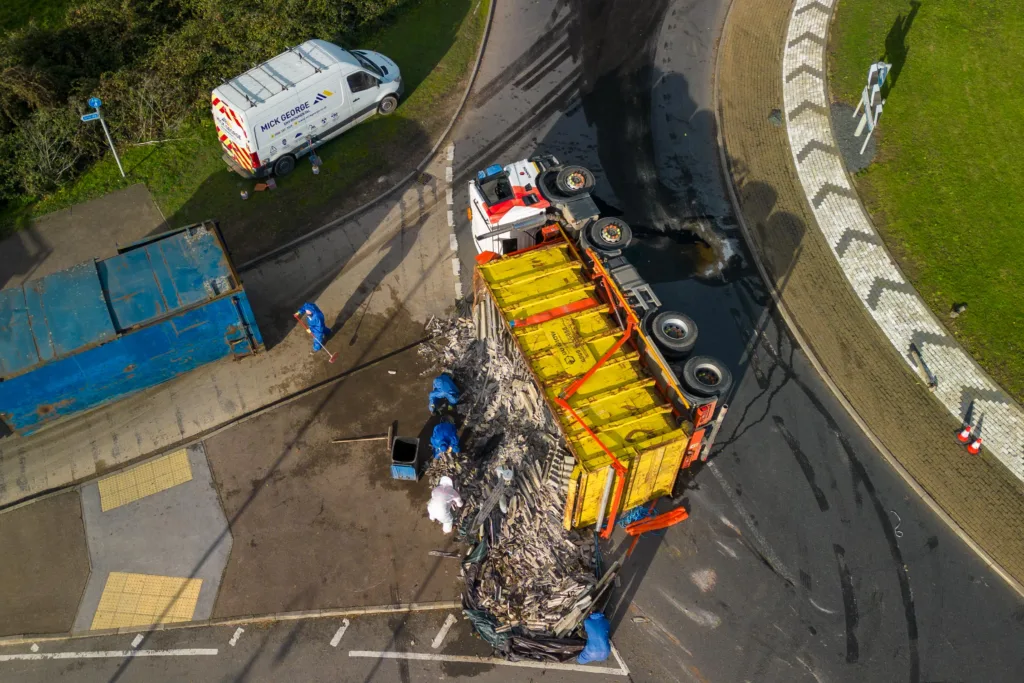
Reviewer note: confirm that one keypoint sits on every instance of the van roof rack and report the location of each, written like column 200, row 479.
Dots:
column 316, row 67
column 240, row 92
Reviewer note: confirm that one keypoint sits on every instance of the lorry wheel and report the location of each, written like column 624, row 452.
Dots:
column 674, row 333
column 284, row 165
column 574, row 180
column 610, row 234
column 707, row 377
column 387, row 105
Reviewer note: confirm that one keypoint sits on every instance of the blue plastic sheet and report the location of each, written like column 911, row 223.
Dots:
column 444, row 388
column 598, row 647
column 443, row 438
column 314, row 317
column 633, row 515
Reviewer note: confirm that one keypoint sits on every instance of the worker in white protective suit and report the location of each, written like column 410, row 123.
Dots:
column 442, row 498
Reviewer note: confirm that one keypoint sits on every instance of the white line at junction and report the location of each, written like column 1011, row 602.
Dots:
column 339, row 633
column 443, row 631
column 495, row 661
column 109, row 654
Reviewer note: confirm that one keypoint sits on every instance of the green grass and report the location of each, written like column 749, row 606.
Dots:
column 434, row 42
column 947, row 189
column 16, row 13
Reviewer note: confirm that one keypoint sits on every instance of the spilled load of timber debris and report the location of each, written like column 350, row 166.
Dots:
column 529, row 583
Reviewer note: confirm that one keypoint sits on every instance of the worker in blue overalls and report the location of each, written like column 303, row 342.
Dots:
column 315, row 325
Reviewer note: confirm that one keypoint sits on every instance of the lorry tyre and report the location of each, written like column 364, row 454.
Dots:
column 387, row 105
column 574, row 180
column 674, row 333
column 704, row 376
column 284, row 165
column 610, row 234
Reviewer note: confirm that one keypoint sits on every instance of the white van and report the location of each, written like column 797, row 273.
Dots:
column 283, row 108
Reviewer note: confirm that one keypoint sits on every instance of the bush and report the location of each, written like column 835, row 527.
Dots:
column 152, row 62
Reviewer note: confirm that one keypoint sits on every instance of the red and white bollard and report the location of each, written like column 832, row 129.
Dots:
column 965, row 434
column 975, row 446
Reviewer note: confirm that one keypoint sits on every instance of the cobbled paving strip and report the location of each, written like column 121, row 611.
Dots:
column 890, row 299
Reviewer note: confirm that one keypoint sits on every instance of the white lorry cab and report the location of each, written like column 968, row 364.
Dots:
column 294, row 102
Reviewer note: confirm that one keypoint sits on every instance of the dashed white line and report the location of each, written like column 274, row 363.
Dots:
column 451, row 152
column 451, row 218
column 443, row 631
column 448, row 175
column 494, row 661
column 339, row 633
column 109, row 654
column 238, row 634
column 135, row 642
column 453, row 242
column 449, row 196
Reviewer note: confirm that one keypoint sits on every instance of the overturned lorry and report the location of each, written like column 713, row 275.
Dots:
column 613, row 366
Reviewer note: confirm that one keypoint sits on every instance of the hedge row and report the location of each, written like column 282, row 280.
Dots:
column 152, row 62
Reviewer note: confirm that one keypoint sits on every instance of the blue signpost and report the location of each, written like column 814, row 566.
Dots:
column 96, row 103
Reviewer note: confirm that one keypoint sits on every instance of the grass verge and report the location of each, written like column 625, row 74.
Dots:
column 946, row 190
column 434, row 42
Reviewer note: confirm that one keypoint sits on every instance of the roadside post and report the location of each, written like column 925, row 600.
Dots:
column 95, row 115
column 871, row 101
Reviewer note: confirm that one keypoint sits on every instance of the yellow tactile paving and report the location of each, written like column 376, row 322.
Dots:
column 145, row 599
column 145, row 480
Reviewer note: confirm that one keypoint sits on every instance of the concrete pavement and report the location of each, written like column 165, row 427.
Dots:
column 390, row 261
column 180, row 531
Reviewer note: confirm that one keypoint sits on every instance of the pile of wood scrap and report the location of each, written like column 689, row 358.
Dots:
column 530, row 574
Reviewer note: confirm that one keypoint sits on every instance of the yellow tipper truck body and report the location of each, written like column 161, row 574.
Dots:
column 624, row 418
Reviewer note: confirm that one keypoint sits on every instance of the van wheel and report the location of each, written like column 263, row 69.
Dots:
column 388, row 105
column 574, row 180
column 674, row 333
column 284, row 165
column 707, row 377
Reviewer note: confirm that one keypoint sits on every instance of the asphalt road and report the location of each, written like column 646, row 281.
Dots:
column 419, row 647
column 805, row 557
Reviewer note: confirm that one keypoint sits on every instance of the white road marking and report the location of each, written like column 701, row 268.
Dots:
column 451, row 151
column 456, row 267
column 339, row 633
column 448, row 174
column 136, row 641
column 453, row 242
column 34, row 648
column 494, row 661
column 449, row 196
column 451, row 219
column 447, row 626
column 238, row 634
column 622, row 664
column 109, row 654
